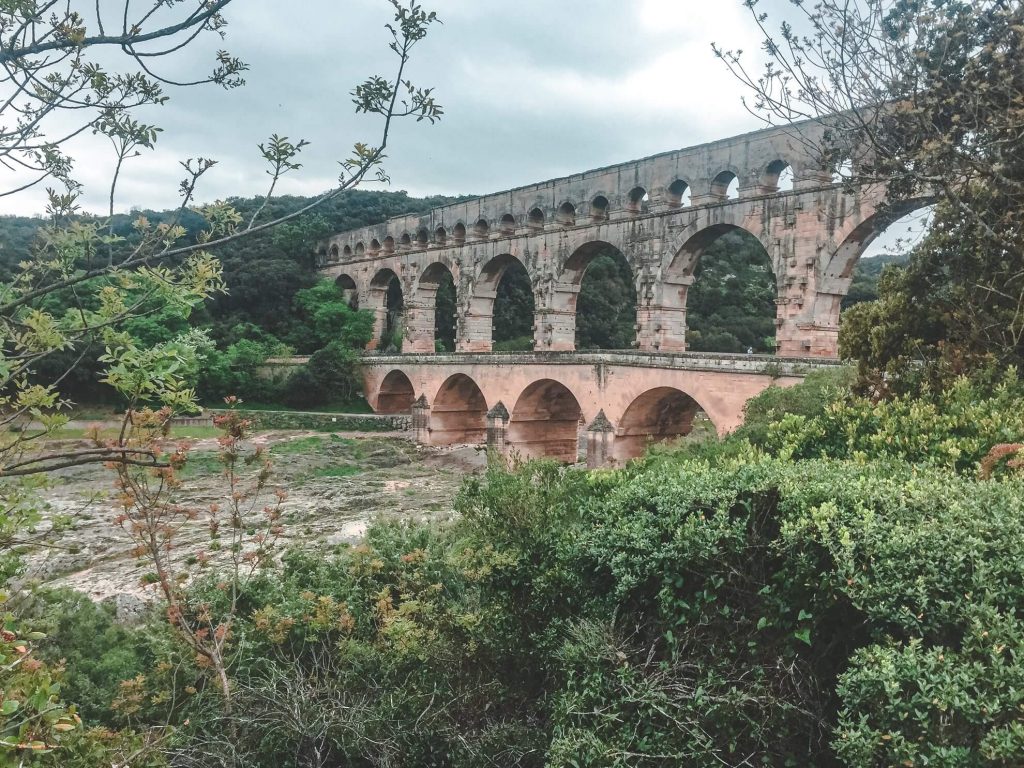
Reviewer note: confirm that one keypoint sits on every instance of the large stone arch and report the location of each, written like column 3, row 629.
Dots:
column 837, row 272
column 661, row 310
column 476, row 323
column 659, row 414
column 562, row 303
column 421, row 308
column 377, row 302
column 458, row 412
column 545, row 422
column 396, row 393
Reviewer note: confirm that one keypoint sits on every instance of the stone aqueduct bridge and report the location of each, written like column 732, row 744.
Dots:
column 661, row 213
column 610, row 404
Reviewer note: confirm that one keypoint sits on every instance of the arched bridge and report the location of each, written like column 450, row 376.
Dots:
column 660, row 213
column 606, row 405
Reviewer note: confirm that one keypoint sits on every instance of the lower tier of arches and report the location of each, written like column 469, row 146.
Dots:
column 581, row 407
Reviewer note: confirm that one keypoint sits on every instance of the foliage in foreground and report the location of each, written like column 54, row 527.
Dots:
column 676, row 613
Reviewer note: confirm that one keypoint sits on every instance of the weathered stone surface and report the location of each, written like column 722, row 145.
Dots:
column 640, row 397
column 813, row 234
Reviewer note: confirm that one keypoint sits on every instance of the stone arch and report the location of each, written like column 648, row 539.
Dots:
column 636, row 200
column 349, row 289
column 459, row 234
column 396, row 394
column 374, row 246
column 725, row 184
column 657, row 415
column 546, row 422
column 347, row 252
column 422, row 237
column 678, row 194
column 777, row 176
column 508, row 224
column 689, row 251
column 405, row 241
column 599, row 208
column 424, row 321
column 574, row 272
column 838, row 271
column 478, row 325
column 566, row 215
column 335, row 252
column 535, row 218
column 732, row 299
column 387, row 301
column 458, row 414
column 440, row 236
column 481, row 229
column 360, row 249
column 389, row 244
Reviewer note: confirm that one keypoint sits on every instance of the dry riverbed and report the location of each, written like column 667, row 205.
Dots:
column 335, row 483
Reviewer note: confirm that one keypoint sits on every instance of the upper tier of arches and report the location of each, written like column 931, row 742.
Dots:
column 771, row 161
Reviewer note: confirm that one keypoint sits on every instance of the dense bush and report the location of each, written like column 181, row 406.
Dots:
column 953, row 428
column 331, row 376
column 755, row 611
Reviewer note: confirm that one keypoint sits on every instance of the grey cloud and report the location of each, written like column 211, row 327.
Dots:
column 532, row 89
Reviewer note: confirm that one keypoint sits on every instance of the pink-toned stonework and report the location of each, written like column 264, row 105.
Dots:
column 661, row 213
column 608, row 405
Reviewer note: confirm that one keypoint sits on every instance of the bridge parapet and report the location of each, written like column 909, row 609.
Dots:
column 765, row 365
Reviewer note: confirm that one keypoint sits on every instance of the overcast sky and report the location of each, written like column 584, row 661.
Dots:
column 531, row 89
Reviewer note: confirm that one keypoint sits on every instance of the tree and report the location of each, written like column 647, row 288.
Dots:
column 85, row 281
column 927, row 97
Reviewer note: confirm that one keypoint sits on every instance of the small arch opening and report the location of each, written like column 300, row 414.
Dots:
column 405, row 241
column 348, row 289
column 396, row 394
column 360, row 249
column 678, row 194
column 566, row 215
column 422, row 237
column 726, row 186
column 440, row 236
column 481, row 229
column 508, row 224
column 347, row 251
column 637, row 201
column 842, row 172
column 389, row 244
column 778, row 177
column 535, row 218
column 459, row 234
column 599, row 208
column 458, row 415
column 335, row 252
column 546, row 422
column 375, row 245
